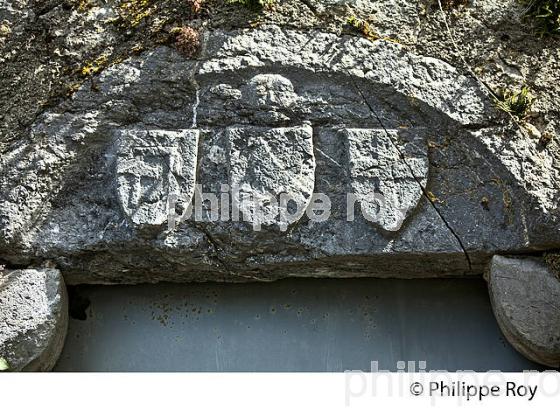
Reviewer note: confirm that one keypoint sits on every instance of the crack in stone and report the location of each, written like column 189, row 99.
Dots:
column 223, row 263
column 424, row 192
column 195, row 106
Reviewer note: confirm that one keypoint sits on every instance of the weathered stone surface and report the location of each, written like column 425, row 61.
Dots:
column 101, row 125
column 501, row 46
column 388, row 172
column 552, row 260
column 525, row 296
column 358, row 116
column 453, row 167
column 265, row 163
column 151, row 166
column 33, row 318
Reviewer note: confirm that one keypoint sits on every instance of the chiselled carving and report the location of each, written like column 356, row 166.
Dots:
column 151, row 165
column 355, row 113
column 388, row 171
column 268, row 164
column 271, row 169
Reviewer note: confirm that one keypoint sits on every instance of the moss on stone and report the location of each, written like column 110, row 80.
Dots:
column 363, row 27
column 553, row 262
column 516, row 102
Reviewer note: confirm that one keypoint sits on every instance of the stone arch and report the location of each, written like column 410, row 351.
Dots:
column 72, row 154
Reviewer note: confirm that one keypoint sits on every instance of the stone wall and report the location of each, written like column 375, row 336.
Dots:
column 119, row 117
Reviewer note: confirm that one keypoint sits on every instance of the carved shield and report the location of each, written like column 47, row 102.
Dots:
column 269, row 170
column 387, row 169
column 151, row 166
column 388, row 172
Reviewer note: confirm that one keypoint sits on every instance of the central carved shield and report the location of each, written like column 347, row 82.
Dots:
column 271, row 168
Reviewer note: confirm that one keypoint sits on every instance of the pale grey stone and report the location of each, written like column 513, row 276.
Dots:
column 426, row 79
column 531, row 167
column 33, row 318
column 270, row 91
column 387, row 177
column 151, row 166
column 525, row 296
column 253, row 96
column 269, row 168
column 398, row 19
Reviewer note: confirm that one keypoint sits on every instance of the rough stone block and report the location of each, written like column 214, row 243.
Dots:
column 33, row 318
column 525, row 296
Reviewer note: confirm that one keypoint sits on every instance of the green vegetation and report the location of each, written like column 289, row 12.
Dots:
column 255, row 5
column 545, row 14
column 516, row 102
column 4, row 365
column 363, row 27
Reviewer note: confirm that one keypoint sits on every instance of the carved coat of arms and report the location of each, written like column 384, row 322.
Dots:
column 387, row 169
column 151, row 165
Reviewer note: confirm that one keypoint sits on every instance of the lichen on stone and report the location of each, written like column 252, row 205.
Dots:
column 133, row 12
column 83, row 5
column 95, row 66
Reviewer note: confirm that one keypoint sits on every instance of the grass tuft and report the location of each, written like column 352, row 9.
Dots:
column 515, row 102
column 545, row 14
